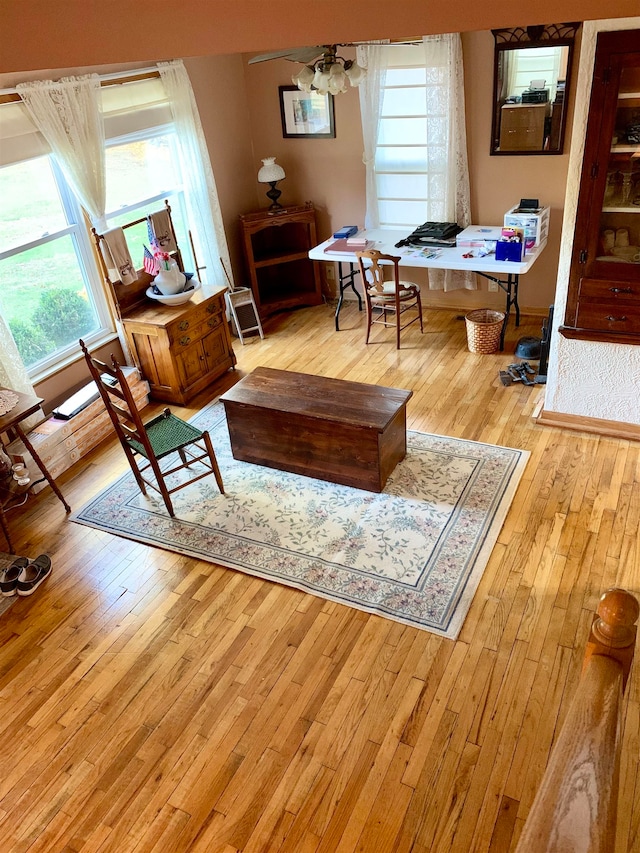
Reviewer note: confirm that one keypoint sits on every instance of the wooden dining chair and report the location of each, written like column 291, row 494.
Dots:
column 387, row 301
column 159, row 438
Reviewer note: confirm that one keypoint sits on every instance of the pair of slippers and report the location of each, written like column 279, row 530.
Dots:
column 24, row 576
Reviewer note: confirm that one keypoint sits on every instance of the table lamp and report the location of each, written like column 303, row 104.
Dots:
column 270, row 173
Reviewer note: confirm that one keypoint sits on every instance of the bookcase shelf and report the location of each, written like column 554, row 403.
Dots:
column 276, row 245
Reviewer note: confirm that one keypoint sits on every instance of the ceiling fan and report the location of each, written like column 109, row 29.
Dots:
column 322, row 71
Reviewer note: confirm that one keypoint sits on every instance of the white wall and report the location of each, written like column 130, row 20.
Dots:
column 595, row 380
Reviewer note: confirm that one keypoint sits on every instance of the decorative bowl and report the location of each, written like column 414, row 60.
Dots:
column 175, row 298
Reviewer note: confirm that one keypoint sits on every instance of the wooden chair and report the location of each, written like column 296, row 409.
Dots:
column 387, row 301
column 158, row 438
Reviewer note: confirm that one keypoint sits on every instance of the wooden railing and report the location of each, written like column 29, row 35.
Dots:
column 575, row 808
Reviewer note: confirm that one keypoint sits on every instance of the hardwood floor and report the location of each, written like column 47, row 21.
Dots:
column 152, row 702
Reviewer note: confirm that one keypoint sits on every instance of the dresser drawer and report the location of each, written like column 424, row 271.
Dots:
column 608, row 317
column 611, row 292
column 197, row 323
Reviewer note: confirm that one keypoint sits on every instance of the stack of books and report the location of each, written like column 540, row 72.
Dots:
column 358, row 241
column 348, row 247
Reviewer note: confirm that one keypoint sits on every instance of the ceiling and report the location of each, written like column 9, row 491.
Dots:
column 48, row 34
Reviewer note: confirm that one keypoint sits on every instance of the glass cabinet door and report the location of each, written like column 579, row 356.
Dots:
column 619, row 235
column 603, row 297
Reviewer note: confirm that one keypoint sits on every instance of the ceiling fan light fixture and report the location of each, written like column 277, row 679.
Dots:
column 354, row 72
column 337, row 79
column 321, row 79
column 329, row 74
column 304, row 78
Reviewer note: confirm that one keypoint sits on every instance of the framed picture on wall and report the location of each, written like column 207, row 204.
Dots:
column 306, row 115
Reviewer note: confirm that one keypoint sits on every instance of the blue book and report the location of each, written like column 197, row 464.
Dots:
column 345, row 231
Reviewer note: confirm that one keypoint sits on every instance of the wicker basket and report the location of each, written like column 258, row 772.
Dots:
column 483, row 330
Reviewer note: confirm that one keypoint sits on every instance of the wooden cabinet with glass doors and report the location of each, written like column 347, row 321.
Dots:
column 603, row 302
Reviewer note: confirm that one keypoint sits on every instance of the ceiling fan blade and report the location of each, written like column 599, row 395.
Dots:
column 297, row 54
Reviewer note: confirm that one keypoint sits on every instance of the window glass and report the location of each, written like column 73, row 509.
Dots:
column 141, row 174
column 411, row 158
column 404, row 102
column 139, row 169
column 403, row 157
column 45, row 298
column 31, row 205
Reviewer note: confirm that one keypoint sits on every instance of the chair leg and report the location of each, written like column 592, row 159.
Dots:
column 166, row 497
column 369, row 318
column 397, row 328
column 134, row 468
column 419, row 302
column 214, row 461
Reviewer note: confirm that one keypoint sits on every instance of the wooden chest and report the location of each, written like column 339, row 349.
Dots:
column 330, row 429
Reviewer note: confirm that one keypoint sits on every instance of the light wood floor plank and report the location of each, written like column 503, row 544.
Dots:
column 154, row 702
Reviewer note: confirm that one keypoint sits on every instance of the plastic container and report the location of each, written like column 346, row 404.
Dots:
column 534, row 225
column 483, row 330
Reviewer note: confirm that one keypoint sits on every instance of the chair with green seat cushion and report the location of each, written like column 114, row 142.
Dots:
column 155, row 440
column 387, row 301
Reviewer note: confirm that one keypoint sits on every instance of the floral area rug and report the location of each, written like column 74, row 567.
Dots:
column 414, row 553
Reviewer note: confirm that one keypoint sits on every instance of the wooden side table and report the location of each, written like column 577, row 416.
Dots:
column 27, row 405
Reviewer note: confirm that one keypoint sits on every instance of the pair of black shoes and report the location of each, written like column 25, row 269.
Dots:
column 24, row 576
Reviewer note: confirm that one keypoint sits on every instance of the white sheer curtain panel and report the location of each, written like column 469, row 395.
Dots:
column 446, row 127
column 371, row 57
column 68, row 113
column 13, row 373
column 201, row 195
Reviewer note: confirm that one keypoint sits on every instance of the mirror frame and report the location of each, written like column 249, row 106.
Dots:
column 549, row 35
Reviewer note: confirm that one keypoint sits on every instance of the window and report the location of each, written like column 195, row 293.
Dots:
column 51, row 290
column 47, row 254
column 411, row 156
column 142, row 171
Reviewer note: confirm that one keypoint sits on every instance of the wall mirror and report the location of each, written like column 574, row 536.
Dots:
column 531, row 75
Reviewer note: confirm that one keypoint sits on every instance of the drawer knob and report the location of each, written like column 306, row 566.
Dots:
column 185, row 340
column 211, row 309
column 212, row 321
column 621, row 289
column 184, row 325
column 616, row 319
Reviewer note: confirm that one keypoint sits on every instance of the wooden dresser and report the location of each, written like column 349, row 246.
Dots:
column 522, row 126
column 180, row 349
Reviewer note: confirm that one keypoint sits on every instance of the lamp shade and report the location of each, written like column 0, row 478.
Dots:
column 270, row 171
column 304, row 78
column 355, row 73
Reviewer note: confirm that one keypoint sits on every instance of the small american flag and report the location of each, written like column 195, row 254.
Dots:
column 151, row 235
column 149, row 262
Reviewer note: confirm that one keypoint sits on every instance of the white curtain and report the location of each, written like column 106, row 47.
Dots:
column 13, row 373
column 446, row 115
column 201, row 194
column 373, row 58
column 68, row 113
